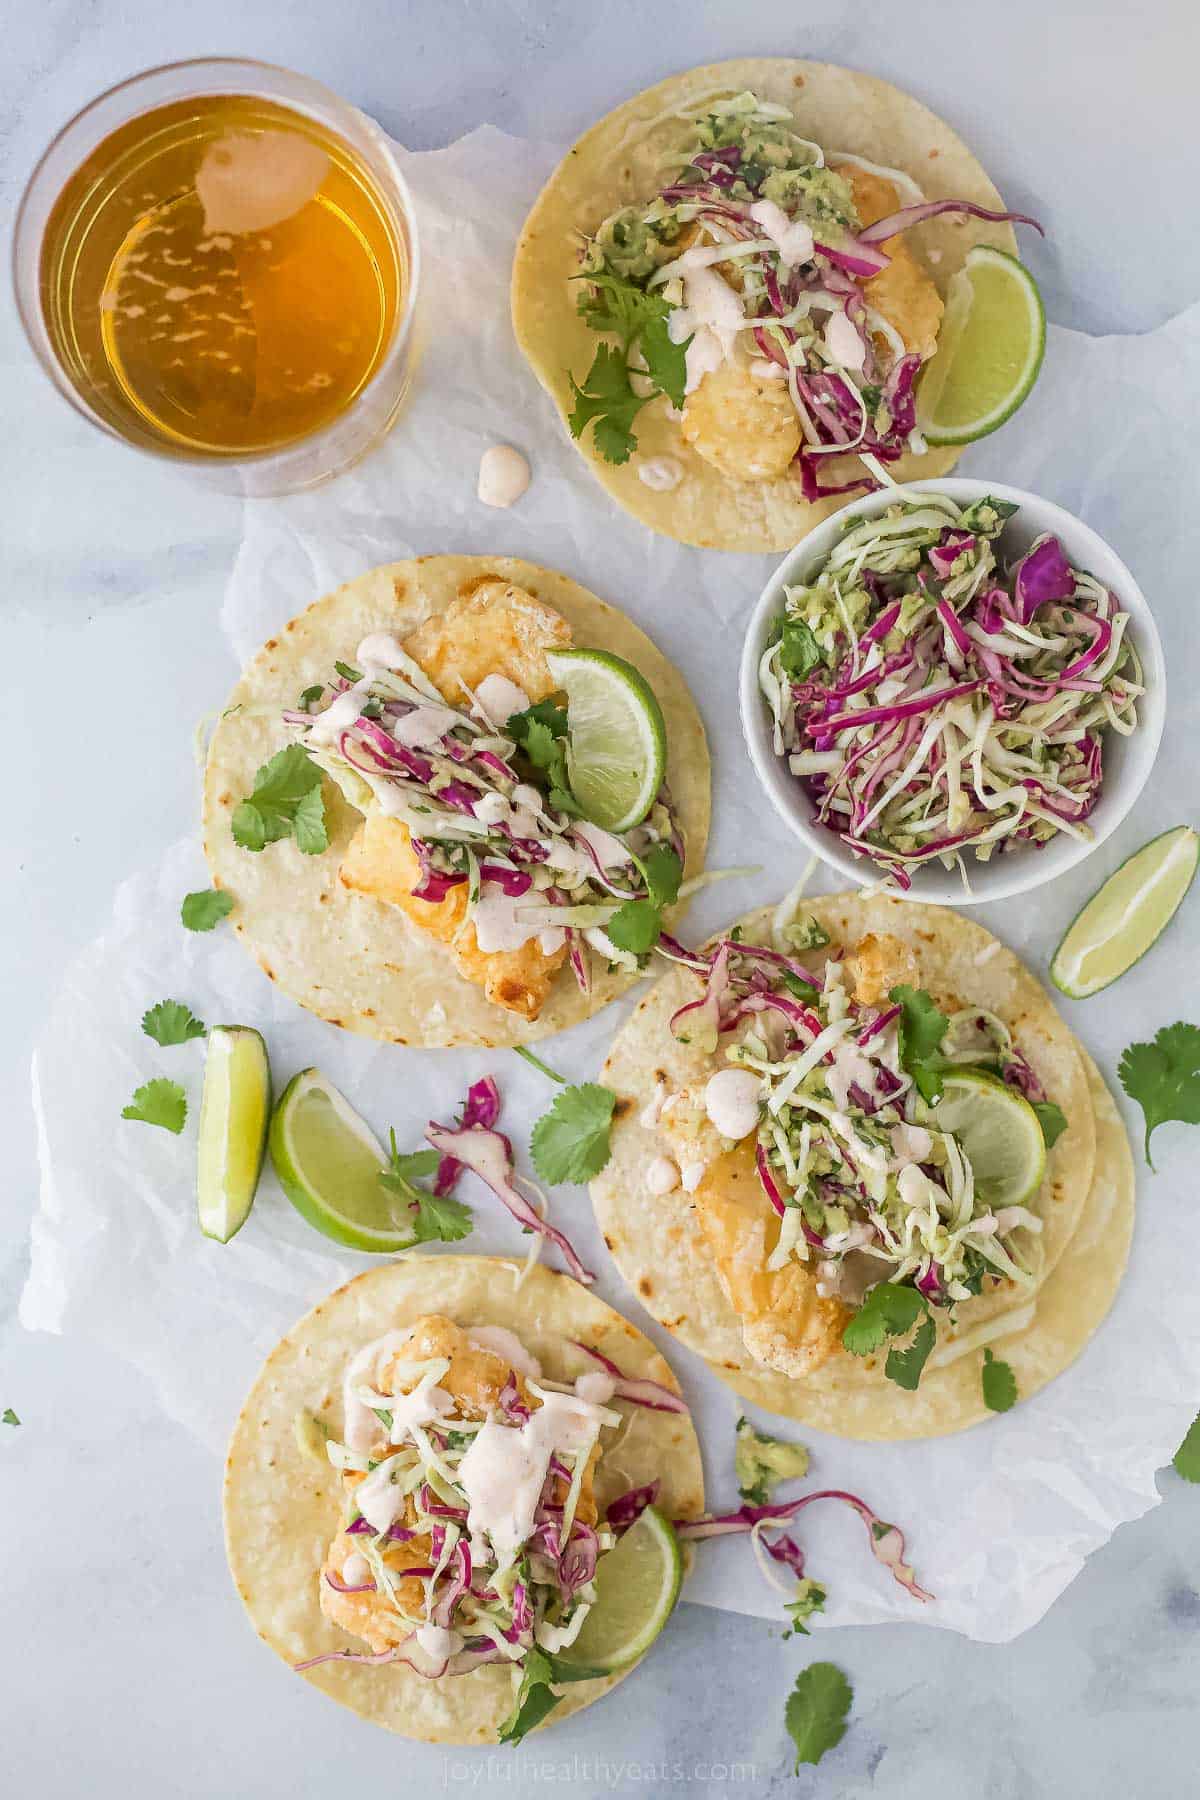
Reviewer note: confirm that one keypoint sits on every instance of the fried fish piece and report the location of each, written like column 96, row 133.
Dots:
column 786, row 1324
column 494, row 628
column 903, row 292
column 474, row 1380
column 878, row 963
column 743, row 424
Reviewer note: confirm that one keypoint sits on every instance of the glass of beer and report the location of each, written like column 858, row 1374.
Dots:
column 216, row 262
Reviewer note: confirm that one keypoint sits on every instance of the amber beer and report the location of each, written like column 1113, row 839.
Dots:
column 222, row 276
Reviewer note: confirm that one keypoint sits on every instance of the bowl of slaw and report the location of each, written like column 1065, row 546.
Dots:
column 887, row 777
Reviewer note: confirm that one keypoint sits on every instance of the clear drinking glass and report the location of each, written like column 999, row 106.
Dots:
column 319, row 339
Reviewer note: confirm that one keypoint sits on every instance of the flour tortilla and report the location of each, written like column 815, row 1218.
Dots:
column 349, row 958
column 614, row 165
column 662, row 1252
column 282, row 1508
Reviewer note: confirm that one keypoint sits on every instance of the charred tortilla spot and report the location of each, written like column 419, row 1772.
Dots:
column 645, row 1287
column 271, row 644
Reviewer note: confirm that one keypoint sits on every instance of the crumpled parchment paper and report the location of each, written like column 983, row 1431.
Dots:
column 999, row 1519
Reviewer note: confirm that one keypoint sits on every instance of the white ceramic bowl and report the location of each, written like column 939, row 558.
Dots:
column 1127, row 760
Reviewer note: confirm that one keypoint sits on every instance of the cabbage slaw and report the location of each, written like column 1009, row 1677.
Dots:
column 932, row 703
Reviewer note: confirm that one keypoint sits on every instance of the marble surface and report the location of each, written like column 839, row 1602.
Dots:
column 126, row 1663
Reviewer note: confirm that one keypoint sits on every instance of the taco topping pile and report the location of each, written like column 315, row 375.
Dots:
column 471, row 1530
column 771, row 297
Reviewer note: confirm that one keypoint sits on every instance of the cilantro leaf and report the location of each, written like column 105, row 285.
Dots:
column 304, row 704
column 816, row 1710
column 999, row 1383
column 635, row 926
column 206, row 908
column 535, row 1697
column 435, row 1217
column 810, row 1599
column 540, row 732
column 799, row 651
column 570, row 1141
column 158, row 1102
column 1187, row 1457
column 887, row 1311
column 1052, row 1119
column 607, row 402
column 904, row 1367
column 171, row 1022
column 663, row 873
column 279, row 804
column 922, row 1028
column 614, row 304
column 347, row 673
column 9, row 1417
column 1164, row 1077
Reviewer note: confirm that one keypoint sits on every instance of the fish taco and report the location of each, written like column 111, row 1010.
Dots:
column 730, row 287
column 854, row 1149
column 433, row 792
column 430, row 1492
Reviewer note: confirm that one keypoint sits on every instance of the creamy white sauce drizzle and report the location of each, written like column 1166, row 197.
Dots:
column 660, row 473
column 662, row 1176
column 498, row 699
column 361, row 1428
column 503, row 1472
column 792, row 238
column 508, row 1345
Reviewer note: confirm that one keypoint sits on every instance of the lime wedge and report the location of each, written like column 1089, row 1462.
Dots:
column 234, row 1109
column 1128, row 914
column 329, row 1161
column 989, row 349
column 637, row 1585
column 998, row 1131
column 618, row 740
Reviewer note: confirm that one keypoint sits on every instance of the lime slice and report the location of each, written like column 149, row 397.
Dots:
column 234, row 1109
column 1128, row 914
column 328, row 1161
column 637, row 1585
column 989, row 349
column 998, row 1131
column 618, row 743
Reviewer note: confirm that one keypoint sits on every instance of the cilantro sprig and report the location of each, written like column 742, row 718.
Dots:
column 570, row 1142
column 816, row 1711
column 206, row 908
column 922, row 1027
column 9, row 1417
column 637, row 925
column 286, row 801
column 999, row 1383
column 540, row 732
column 607, row 400
column 436, row 1218
column 1164, row 1078
column 158, row 1102
column 535, row 1696
column 1187, row 1458
column 890, row 1311
column 171, row 1022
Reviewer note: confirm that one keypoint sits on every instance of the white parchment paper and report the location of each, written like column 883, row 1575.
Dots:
column 999, row 1519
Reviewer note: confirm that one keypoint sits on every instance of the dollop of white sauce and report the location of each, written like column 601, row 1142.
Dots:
column 503, row 1472
column 360, row 1428
column 499, row 698
column 792, row 238
column 662, row 1177
column 849, row 1068
column 731, row 1102
column 424, row 726
column 661, row 473
column 356, row 1570
column 437, row 1641
column 503, row 475
column 765, row 370
column 844, row 343
column 652, row 1111
column 711, row 316
column 383, row 649
column 691, row 1175
column 497, row 923
column 328, row 726
column 507, row 1344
